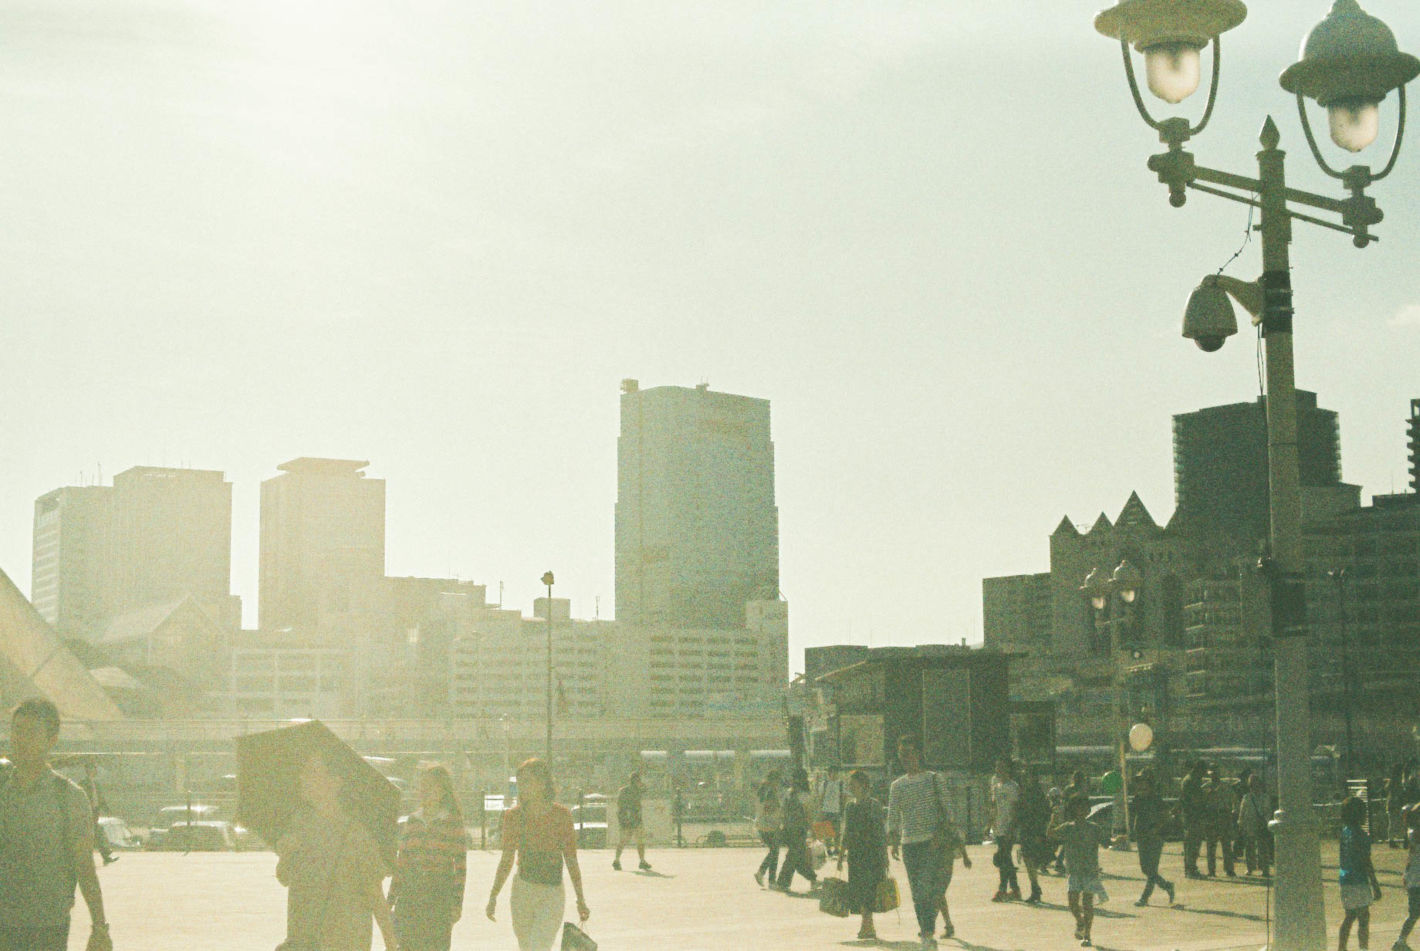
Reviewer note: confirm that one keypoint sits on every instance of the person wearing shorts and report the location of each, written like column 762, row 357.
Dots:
column 1359, row 887
column 628, row 820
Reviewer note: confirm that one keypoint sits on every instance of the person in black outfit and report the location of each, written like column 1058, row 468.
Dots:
column 1032, row 819
column 628, row 819
column 1149, row 815
column 99, row 807
column 864, row 842
column 796, row 834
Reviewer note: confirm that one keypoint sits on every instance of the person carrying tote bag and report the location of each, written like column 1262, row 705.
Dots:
column 538, row 835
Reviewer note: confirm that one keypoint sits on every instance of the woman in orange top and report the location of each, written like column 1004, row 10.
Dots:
column 538, row 834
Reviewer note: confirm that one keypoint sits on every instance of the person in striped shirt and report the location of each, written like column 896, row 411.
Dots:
column 916, row 808
column 428, row 885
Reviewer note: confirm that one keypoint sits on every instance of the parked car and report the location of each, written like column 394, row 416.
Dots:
column 168, row 815
column 200, row 835
column 589, row 819
column 116, row 832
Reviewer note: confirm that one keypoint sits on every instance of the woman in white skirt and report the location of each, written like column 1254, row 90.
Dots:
column 538, row 834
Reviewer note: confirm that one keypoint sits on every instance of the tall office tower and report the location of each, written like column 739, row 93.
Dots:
column 322, row 546
column 1414, row 442
column 170, row 535
column 1220, row 464
column 697, row 530
column 71, row 536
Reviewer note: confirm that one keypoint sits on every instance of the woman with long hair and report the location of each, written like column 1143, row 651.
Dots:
column 428, row 885
column 538, row 835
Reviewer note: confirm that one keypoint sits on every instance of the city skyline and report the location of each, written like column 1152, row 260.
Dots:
column 438, row 242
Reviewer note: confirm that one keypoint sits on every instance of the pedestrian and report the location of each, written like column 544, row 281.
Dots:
column 1005, row 794
column 538, row 834
column 795, row 832
column 769, row 823
column 1032, row 820
column 99, row 807
column 1193, row 805
column 1082, row 839
column 830, row 808
column 628, row 821
column 1395, row 803
column 1220, row 821
column 1357, row 876
column 426, row 892
column 46, row 842
column 1078, row 786
column 1057, row 814
column 1149, row 815
column 332, row 871
column 917, row 812
column 1254, row 812
column 864, row 845
column 951, row 845
column 1410, row 816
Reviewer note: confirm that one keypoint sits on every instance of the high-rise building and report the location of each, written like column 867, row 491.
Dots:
column 322, row 546
column 170, row 535
column 1220, row 464
column 697, row 530
column 1413, row 431
column 70, row 557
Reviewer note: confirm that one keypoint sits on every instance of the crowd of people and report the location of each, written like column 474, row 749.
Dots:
column 334, row 871
column 1051, row 831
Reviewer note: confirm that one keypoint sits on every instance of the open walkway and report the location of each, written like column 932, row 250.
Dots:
column 707, row 899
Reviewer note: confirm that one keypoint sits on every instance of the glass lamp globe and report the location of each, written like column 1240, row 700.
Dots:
column 1172, row 70
column 1355, row 123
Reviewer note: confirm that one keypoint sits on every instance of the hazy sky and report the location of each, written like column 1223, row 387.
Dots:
column 437, row 236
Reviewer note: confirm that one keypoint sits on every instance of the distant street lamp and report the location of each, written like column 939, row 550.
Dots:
column 507, row 722
column 1350, row 62
column 547, row 580
column 1100, row 588
column 1339, row 577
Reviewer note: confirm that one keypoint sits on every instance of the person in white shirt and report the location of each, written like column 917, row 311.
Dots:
column 916, row 809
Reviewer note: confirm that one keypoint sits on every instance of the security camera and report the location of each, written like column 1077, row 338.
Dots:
column 1209, row 319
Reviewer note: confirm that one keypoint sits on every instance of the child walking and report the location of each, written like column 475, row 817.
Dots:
column 1359, row 887
column 1410, row 818
column 1081, row 839
column 864, row 842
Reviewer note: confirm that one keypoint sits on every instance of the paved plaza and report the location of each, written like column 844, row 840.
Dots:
column 706, row 899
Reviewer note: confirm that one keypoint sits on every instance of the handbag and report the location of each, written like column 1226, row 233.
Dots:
column 818, row 854
column 575, row 939
column 833, row 897
column 886, row 897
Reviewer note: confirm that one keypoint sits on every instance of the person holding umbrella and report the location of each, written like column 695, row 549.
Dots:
column 538, row 834
column 332, row 869
column 427, row 890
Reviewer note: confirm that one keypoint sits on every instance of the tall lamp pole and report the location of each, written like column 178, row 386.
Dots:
column 547, row 580
column 1350, row 63
column 1100, row 587
column 1339, row 577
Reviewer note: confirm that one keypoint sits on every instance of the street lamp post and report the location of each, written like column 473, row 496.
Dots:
column 1339, row 577
column 1100, row 587
column 1350, row 63
column 547, row 580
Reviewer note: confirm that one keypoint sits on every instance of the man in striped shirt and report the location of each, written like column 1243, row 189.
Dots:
column 915, row 809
